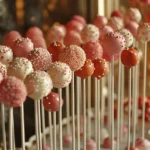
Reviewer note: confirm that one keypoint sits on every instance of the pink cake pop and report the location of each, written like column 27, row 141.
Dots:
column 12, row 92
column 133, row 14
column 107, row 143
column 100, row 21
column 143, row 144
column 90, row 33
column 72, row 37
column 113, row 43
column 46, row 147
column 10, row 37
column 79, row 19
column 51, row 102
column 40, row 58
column 55, row 49
column 38, row 41
column 34, row 31
column 90, row 145
column 108, row 58
column 39, row 84
column 56, row 33
column 74, row 56
column 143, row 33
column 117, row 13
column 132, row 27
column 128, row 36
column 6, row 55
column 93, row 50
column 74, row 25
column 20, row 68
column 105, row 30
column 22, row 47
column 3, row 70
column 67, row 139
column 60, row 74
column 116, row 23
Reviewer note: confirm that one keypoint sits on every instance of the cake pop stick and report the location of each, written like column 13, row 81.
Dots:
column 60, row 119
column 3, row 126
column 50, row 130
column 54, row 133
column 43, row 122
column 78, row 113
column 118, row 106
column 84, row 114
column 22, row 127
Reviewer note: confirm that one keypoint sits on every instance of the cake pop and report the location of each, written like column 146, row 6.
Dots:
column 107, row 143
column 133, row 14
column 108, row 58
column 117, row 13
column 3, row 70
column 105, row 30
column 90, row 145
column 93, row 50
column 113, row 43
column 74, row 25
column 51, row 102
column 34, row 31
column 131, row 148
column 104, row 134
column 130, row 57
column 116, row 23
column 100, row 21
column 60, row 74
column 79, row 19
column 72, row 37
column 56, row 33
column 67, row 139
column 87, row 70
column 143, row 144
column 74, row 56
column 143, row 32
column 12, row 92
column 20, row 68
column 45, row 147
column 6, row 55
column 22, row 47
column 40, row 59
column 55, row 49
column 39, row 84
column 101, row 68
column 128, row 36
column 10, row 37
column 90, row 33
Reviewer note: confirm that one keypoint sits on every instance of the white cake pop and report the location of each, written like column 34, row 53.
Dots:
column 143, row 144
column 20, row 68
column 6, row 55
column 116, row 23
column 128, row 36
column 60, row 74
column 143, row 33
column 3, row 70
column 90, row 33
column 39, row 84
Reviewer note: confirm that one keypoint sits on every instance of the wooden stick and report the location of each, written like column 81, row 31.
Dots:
column 11, row 143
column 50, row 130
column 55, row 133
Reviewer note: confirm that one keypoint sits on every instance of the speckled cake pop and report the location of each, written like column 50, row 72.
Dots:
column 93, row 50
column 3, row 70
column 143, row 32
column 20, row 68
column 40, row 59
column 72, row 37
column 100, row 21
column 128, row 36
column 22, row 47
column 39, row 84
column 113, row 43
column 51, row 102
column 12, row 92
column 60, row 74
column 90, row 32
column 74, row 56
column 116, row 23
column 6, row 55
column 10, row 37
